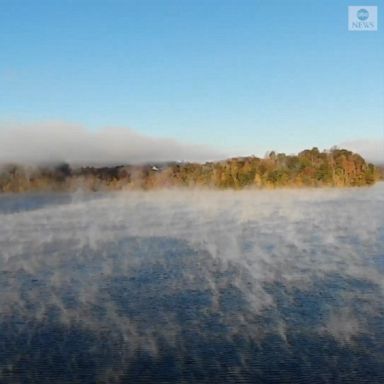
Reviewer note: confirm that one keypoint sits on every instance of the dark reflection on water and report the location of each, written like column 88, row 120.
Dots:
column 158, row 309
column 22, row 202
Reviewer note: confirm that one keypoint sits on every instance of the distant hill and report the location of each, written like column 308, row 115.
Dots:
column 310, row 168
column 380, row 170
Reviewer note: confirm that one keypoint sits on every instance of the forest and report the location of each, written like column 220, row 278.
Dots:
column 310, row 168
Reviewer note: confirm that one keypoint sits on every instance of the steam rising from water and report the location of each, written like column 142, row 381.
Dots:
column 141, row 276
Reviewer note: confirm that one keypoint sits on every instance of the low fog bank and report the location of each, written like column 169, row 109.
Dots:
column 372, row 150
column 56, row 142
column 158, row 271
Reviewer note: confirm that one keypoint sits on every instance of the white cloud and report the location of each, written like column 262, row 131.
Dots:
column 58, row 141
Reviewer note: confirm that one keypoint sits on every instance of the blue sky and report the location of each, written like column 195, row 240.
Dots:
column 241, row 76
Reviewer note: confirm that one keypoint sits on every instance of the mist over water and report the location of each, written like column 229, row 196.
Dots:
column 199, row 286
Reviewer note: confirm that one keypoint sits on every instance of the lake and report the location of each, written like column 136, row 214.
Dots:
column 283, row 286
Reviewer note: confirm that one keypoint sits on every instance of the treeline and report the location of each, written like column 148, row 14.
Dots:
column 310, row 168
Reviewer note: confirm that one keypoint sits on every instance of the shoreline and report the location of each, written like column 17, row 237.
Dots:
column 336, row 168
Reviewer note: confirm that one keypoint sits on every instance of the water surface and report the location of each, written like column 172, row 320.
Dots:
column 278, row 286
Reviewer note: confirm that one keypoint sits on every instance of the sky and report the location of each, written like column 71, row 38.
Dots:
column 230, row 77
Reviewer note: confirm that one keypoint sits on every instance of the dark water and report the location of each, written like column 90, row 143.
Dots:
column 193, row 287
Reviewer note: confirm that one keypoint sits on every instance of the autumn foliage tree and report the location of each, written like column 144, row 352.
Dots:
column 310, row 168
